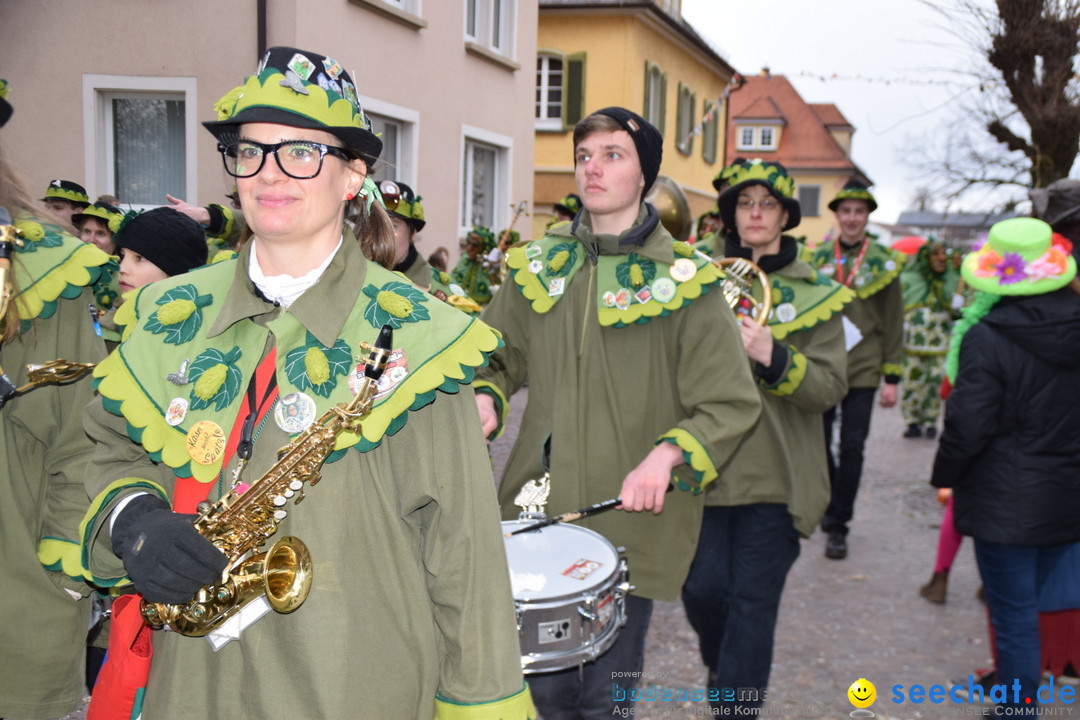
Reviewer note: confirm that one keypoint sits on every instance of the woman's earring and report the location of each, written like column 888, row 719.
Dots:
column 350, row 196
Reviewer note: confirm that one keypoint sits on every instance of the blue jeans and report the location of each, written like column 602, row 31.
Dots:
column 732, row 595
column 1011, row 575
column 845, row 472
column 585, row 693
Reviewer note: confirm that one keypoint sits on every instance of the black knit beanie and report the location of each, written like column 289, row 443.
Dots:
column 647, row 139
column 169, row 239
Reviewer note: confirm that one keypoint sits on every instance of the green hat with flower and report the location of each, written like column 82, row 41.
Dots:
column 770, row 175
column 300, row 89
column 854, row 190
column 110, row 215
column 1021, row 256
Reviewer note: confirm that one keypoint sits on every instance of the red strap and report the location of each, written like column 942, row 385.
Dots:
column 188, row 492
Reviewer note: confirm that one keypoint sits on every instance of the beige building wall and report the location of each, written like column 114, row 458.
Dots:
column 617, row 46
column 413, row 67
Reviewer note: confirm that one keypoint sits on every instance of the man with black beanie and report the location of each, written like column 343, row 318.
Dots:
column 638, row 384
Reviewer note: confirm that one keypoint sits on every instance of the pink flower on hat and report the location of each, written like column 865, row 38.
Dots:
column 987, row 263
column 1051, row 264
column 1011, row 269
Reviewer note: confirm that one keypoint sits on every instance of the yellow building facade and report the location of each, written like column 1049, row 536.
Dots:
column 644, row 58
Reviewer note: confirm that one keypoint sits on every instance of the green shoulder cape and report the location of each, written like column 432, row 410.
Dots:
column 879, row 267
column 168, row 375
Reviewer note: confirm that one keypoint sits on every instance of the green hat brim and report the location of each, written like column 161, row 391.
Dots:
column 864, row 195
column 416, row 225
column 990, row 284
column 365, row 144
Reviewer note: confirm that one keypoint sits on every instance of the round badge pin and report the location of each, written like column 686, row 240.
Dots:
column 785, row 312
column 294, row 412
column 890, row 265
column 457, row 289
column 827, row 270
column 609, row 299
column 683, row 269
column 663, row 289
column 177, row 411
column 206, row 442
column 535, row 267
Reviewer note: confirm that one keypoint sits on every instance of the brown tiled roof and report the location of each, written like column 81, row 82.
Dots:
column 831, row 116
column 805, row 143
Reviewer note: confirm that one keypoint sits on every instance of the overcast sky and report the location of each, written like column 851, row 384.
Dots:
column 885, row 65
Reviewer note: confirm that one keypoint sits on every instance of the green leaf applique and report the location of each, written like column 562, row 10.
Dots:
column 179, row 315
column 316, row 367
column 395, row 304
column 636, row 272
column 216, row 379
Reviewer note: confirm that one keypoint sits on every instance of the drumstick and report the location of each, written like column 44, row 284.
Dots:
column 577, row 515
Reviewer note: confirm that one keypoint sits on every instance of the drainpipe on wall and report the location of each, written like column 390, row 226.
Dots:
column 260, row 27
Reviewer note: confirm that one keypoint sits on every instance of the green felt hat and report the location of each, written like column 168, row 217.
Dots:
column 1021, row 256
column 108, row 214
column 771, row 175
column 300, row 89
column 401, row 202
column 73, row 192
column 854, row 190
column 570, row 204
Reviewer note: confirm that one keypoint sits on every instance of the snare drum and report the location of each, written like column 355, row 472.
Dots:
column 570, row 588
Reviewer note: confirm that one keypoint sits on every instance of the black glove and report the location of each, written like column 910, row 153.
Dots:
column 164, row 555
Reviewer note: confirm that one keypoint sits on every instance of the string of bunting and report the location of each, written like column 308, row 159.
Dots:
column 714, row 111
column 885, row 80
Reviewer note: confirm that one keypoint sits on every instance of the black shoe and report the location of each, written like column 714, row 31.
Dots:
column 931, row 433
column 986, row 680
column 913, row 431
column 836, row 546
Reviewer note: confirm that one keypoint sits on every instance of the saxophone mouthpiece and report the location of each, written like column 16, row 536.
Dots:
column 376, row 362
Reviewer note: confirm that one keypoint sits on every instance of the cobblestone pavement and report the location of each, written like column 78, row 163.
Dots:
column 857, row 618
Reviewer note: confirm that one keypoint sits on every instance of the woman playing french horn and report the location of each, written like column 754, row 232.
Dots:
column 44, row 316
column 776, row 486
column 409, row 613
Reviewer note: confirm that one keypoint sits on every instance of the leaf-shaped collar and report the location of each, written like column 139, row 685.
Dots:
column 879, row 267
column 802, row 298
column 50, row 265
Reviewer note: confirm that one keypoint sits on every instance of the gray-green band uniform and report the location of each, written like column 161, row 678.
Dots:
column 877, row 311
column 410, row 577
column 782, row 460
column 620, row 353
column 43, row 626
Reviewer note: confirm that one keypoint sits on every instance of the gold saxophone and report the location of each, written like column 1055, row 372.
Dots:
column 239, row 523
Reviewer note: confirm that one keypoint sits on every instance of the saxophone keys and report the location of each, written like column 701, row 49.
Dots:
column 296, row 485
column 279, row 500
column 280, row 515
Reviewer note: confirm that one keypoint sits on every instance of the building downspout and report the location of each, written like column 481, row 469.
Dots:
column 260, row 27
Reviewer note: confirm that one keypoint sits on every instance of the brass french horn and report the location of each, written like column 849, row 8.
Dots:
column 739, row 274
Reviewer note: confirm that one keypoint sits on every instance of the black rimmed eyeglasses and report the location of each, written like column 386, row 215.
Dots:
column 300, row 159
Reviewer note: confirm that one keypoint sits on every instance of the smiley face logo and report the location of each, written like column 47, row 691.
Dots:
column 862, row 693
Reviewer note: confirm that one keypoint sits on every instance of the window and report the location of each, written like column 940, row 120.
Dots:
column 560, row 91
column 758, row 138
column 810, row 200
column 140, row 137
column 485, row 177
column 709, row 133
column 766, row 139
column 490, row 23
column 549, row 92
column 655, row 94
column 746, row 138
column 686, row 120
column 397, row 127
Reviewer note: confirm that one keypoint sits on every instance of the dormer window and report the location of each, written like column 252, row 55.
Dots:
column 758, row 137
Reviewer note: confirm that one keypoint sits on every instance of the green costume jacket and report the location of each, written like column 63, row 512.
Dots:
column 610, row 376
column 43, row 626
column 782, row 460
column 877, row 311
column 473, row 277
column 410, row 613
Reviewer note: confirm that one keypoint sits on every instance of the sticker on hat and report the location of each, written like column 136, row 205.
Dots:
column 300, row 65
column 333, row 68
column 294, row 412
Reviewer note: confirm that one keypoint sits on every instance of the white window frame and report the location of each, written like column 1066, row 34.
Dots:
column 483, row 19
column 761, row 137
column 98, row 154
column 543, row 87
column 766, row 138
column 408, row 142
column 743, row 144
column 504, row 145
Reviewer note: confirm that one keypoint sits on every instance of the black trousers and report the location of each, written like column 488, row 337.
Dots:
column 846, row 471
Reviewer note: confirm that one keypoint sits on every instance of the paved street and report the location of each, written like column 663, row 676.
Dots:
column 856, row 618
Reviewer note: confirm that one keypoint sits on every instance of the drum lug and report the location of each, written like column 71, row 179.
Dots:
column 589, row 601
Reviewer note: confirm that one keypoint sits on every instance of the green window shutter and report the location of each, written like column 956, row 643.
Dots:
column 645, row 107
column 574, row 105
column 663, row 102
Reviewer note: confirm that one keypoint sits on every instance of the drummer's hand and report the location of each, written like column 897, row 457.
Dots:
column 757, row 340
column 489, row 418
column 644, row 488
